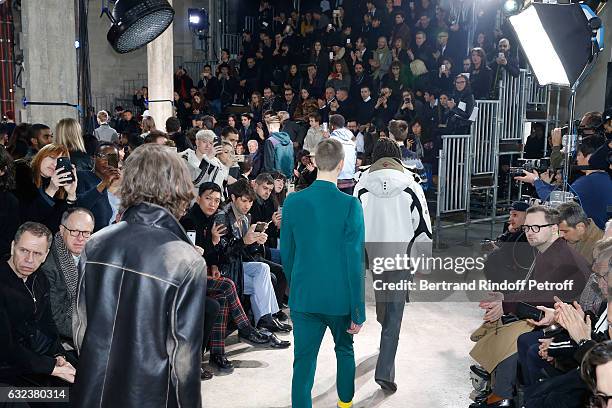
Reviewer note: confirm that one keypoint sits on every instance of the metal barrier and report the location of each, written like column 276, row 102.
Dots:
column 232, row 43
column 513, row 105
column 453, row 173
column 485, row 131
column 536, row 94
column 249, row 23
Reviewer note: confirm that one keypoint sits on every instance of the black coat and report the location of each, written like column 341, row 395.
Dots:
column 89, row 197
column 30, row 324
column 262, row 211
column 364, row 111
column 140, row 314
column 9, row 222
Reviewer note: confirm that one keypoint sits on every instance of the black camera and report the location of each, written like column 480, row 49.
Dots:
column 530, row 165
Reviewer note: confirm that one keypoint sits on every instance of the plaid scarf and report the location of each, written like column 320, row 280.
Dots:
column 65, row 263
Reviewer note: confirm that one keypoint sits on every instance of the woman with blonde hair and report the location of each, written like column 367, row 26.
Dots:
column 68, row 133
column 148, row 125
column 45, row 191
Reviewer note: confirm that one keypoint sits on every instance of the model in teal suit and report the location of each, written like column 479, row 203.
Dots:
column 322, row 234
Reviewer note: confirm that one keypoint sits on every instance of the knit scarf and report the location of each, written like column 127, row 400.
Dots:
column 65, row 263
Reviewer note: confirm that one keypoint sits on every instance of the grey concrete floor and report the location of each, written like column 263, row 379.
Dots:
column 432, row 365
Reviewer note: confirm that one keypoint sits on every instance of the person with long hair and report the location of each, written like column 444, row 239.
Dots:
column 9, row 205
column 480, row 74
column 256, row 106
column 44, row 190
column 68, row 133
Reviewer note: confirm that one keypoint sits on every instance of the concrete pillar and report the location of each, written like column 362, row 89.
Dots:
column 160, row 65
column 50, row 59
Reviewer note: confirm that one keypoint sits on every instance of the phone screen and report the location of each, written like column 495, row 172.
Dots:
column 261, row 227
column 113, row 160
column 192, row 236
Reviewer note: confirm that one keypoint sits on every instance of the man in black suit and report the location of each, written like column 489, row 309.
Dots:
column 364, row 111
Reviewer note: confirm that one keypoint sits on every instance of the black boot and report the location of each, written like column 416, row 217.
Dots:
column 221, row 363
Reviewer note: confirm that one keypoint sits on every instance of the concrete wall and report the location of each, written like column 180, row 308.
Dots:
column 592, row 93
column 109, row 69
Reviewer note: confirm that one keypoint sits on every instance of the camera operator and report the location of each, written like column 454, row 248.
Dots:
column 509, row 256
column 589, row 125
column 594, row 190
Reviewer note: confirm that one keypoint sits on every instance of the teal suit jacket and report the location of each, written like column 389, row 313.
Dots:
column 322, row 235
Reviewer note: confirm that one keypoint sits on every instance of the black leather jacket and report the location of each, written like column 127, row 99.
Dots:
column 140, row 314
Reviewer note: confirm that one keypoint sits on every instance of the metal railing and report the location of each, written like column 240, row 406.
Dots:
column 536, row 94
column 485, row 131
column 249, row 23
column 454, row 174
column 513, row 105
column 232, row 43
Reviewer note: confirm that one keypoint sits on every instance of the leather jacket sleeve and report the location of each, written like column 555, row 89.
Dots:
column 185, row 352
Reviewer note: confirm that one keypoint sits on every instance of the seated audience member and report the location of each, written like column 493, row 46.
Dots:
column 346, row 182
column 202, row 163
column 254, row 152
column 595, row 372
column 278, row 149
column 40, row 135
column 510, row 256
column 157, row 137
column 364, row 111
column 105, row 133
column 200, row 219
column 248, row 130
column 556, row 262
column 315, row 133
column 265, row 210
column 34, row 354
column 308, row 175
column 60, row 267
column 173, row 127
column 578, row 230
column 237, row 247
column 44, row 190
column 593, row 190
column 460, row 105
column 9, row 204
column 94, row 189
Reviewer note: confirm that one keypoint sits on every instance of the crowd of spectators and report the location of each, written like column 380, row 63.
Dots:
column 399, row 70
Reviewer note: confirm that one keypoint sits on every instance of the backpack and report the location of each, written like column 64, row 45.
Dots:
column 283, row 157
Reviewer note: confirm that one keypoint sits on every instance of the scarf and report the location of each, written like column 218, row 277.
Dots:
column 65, row 263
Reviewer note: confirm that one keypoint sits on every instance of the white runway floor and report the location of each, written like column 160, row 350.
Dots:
column 432, row 365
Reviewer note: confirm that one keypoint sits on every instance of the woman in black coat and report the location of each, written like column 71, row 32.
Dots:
column 480, row 74
column 9, row 205
column 43, row 191
column 461, row 104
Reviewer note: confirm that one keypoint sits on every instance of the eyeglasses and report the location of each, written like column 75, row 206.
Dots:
column 600, row 400
column 76, row 233
column 534, row 228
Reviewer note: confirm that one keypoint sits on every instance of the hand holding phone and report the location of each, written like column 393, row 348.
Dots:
column 261, row 226
column 65, row 166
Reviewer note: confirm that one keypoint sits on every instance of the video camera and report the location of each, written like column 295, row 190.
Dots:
column 539, row 165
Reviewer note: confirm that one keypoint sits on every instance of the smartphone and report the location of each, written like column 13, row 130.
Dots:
column 192, row 236
column 348, row 40
column 239, row 158
column 501, row 55
column 261, row 226
column 331, row 55
column 219, row 219
column 113, row 160
column 64, row 163
column 324, row 126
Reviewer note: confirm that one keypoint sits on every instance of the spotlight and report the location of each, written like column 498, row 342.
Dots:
column 512, row 6
column 198, row 19
column 557, row 41
column 137, row 22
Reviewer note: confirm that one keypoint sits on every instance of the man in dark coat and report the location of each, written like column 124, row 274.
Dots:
column 140, row 318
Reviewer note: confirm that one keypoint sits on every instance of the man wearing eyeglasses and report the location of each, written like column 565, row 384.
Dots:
column 61, row 266
column 556, row 262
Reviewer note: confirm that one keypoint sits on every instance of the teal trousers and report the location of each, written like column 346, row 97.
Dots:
column 308, row 332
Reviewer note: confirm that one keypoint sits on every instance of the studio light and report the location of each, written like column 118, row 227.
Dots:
column 557, row 41
column 198, row 20
column 512, row 6
column 137, row 22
